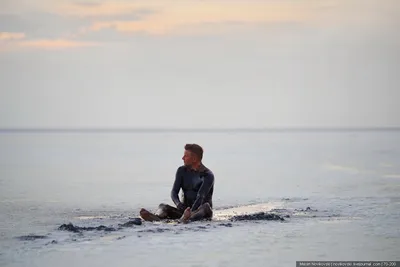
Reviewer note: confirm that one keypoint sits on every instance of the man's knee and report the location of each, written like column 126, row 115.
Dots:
column 166, row 211
column 207, row 205
column 208, row 210
column 162, row 206
column 162, row 211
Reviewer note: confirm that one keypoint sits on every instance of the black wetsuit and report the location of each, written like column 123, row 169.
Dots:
column 197, row 187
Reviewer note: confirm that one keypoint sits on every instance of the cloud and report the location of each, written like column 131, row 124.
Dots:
column 45, row 25
column 107, row 9
column 9, row 39
column 89, row 4
column 12, row 23
column 41, row 25
column 7, row 36
column 107, row 21
column 55, row 44
column 16, row 41
column 40, row 30
column 190, row 17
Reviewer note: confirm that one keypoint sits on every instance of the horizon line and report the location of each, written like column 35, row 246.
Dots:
column 187, row 129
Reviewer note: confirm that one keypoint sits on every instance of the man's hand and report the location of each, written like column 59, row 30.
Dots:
column 181, row 207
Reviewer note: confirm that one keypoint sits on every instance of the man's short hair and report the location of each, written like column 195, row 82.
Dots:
column 195, row 149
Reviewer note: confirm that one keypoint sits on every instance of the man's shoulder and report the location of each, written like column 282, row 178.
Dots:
column 182, row 168
column 207, row 171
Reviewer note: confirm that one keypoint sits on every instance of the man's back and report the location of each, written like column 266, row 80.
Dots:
column 197, row 186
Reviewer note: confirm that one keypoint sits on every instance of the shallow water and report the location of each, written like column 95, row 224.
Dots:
column 351, row 179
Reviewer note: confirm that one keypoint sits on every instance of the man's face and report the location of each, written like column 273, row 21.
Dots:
column 188, row 158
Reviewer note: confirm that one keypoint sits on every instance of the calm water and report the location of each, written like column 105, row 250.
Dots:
column 352, row 179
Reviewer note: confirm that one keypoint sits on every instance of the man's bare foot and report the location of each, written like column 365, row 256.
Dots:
column 186, row 215
column 148, row 216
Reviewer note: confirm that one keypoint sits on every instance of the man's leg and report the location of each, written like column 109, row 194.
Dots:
column 164, row 211
column 148, row 216
column 203, row 212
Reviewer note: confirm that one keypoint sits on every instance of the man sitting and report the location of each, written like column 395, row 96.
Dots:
column 197, row 184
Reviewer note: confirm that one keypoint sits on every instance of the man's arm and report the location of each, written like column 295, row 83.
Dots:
column 208, row 182
column 176, row 188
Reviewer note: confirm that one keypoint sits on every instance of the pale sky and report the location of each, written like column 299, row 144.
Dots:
column 199, row 63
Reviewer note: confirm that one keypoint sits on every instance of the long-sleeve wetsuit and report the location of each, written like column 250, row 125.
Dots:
column 197, row 187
